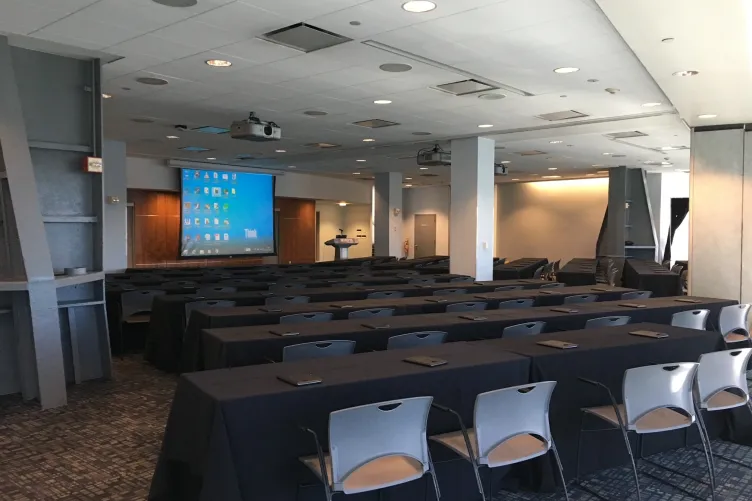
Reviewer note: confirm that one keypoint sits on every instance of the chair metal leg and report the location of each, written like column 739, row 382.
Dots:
column 432, row 471
column 708, row 452
column 632, row 460
column 704, row 431
column 561, row 469
column 579, row 447
column 478, row 479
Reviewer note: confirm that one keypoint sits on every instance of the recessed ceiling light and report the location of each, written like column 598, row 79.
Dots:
column 607, row 154
column 408, row 186
column 485, row 126
column 315, row 113
column 280, row 151
column 602, row 172
column 491, row 97
column 173, row 137
column 355, row 23
column 590, row 175
column 418, row 6
column 382, row 101
column 651, row 105
column 593, row 80
column 291, row 167
column 421, row 133
column 395, row 67
column 667, row 40
column 566, row 69
column 408, row 179
column 342, row 204
column 424, row 168
column 506, row 162
column 551, row 177
column 177, row 3
column 368, row 140
column 152, row 81
column 106, row 96
column 553, row 168
column 668, row 148
column 356, row 173
column 666, row 163
column 219, row 63
column 556, row 142
column 709, row 115
column 211, row 158
column 686, row 73
column 515, row 179
column 360, row 160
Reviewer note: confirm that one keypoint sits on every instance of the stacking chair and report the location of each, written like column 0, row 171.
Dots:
column 509, row 288
column 349, row 284
column 539, row 272
column 318, row 349
column 581, row 298
column 287, row 279
column 300, row 318
column 181, row 283
column 657, row 398
column 408, row 273
column 385, row 295
column 522, row 330
column 501, row 261
column 208, row 291
column 548, row 269
column 733, row 322
column 372, row 313
column 449, row 292
column 516, row 303
column 236, row 282
column 510, row 426
column 135, row 306
column 691, row 319
column 461, row 279
column 422, row 281
column 286, row 287
column 377, row 445
column 595, row 323
column 195, row 305
column 637, row 295
column 415, row 339
column 552, row 285
column 282, row 300
column 469, row 306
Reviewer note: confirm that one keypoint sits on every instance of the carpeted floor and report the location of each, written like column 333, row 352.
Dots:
column 103, row 447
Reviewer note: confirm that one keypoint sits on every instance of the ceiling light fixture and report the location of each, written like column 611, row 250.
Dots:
column 219, row 63
column 173, row 137
column 356, row 173
column 408, row 186
column 709, row 115
column 395, row 67
column 418, row 6
column 668, row 148
column 152, row 81
column 368, row 140
column 551, row 177
column 506, row 162
column 485, row 126
column 491, row 97
column 382, row 101
column 607, row 154
column 106, row 96
column 602, row 172
column 556, row 142
column 424, row 168
column 211, row 158
column 666, row 163
column 651, row 105
column 291, row 167
column 177, row 3
column 360, row 160
column 566, row 69
column 408, row 179
column 342, row 204
column 686, row 73
column 515, row 179
column 280, row 151
column 553, row 168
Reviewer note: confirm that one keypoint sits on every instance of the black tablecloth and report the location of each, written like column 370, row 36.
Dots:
column 407, row 264
column 578, row 271
column 603, row 355
column 165, row 336
column 233, row 434
column 261, row 315
column 650, row 276
column 519, row 268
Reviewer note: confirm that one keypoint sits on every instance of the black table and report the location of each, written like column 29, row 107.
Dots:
column 578, row 271
column 650, row 276
column 233, row 434
column 519, row 268
column 407, row 264
column 165, row 336
column 603, row 355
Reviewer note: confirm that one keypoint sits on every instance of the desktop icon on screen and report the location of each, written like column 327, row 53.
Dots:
column 197, row 221
column 224, row 177
column 225, row 207
column 225, row 192
column 207, row 221
column 197, row 238
column 227, row 222
column 207, row 207
column 206, row 176
column 232, row 191
column 216, row 175
column 216, row 221
column 197, row 190
column 226, row 236
column 206, row 190
column 216, row 206
column 187, row 206
column 216, row 236
column 187, row 221
column 234, row 176
column 197, row 206
column 216, row 192
column 201, row 252
column 196, row 174
column 207, row 237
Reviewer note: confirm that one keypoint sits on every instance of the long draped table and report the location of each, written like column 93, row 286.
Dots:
column 651, row 276
column 519, row 268
column 578, row 271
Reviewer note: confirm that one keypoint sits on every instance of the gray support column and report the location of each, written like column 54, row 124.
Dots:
column 37, row 328
column 114, row 227
column 617, row 203
column 471, row 220
column 387, row 217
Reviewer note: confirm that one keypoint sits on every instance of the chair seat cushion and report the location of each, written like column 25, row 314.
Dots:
column 736, row 337
column 377, row 474
column 138, row 318
column 513, row 450
column 724, row 400
column 663, row 419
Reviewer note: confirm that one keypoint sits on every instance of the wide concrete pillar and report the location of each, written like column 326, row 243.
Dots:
column 720, row 202
column 471, row 220
column 387, row 214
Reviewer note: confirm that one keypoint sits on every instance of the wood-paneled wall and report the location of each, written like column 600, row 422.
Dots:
column 157, row 230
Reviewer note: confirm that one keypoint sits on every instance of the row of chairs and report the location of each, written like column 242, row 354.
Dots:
column 384, row 444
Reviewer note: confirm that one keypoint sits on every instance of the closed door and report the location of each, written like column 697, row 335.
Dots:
column 425, row 235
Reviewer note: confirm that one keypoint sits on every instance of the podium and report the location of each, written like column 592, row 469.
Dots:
column 341, row 245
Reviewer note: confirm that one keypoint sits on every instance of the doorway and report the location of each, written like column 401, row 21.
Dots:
column 425, row 235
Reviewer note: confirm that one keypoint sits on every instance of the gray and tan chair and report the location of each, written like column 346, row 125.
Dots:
column 465, row 307
column 318, row 349
column 371, row 313
column 637, row 295
column 415, row 339
column 691, row 319
column 505, row 288
column 595, row 323
column 283, row 300
column 522, row 330
column 208, row 291
column 552, row 285
column 581, row 298
column 300, row 318
column 516, row 303
column 385, row 295
column 135, row 306
column 733, row 322
column 449, row 292
column 286, row 287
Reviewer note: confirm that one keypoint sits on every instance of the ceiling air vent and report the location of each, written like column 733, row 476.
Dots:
column 375, row 123
column 465, row 87
column 322, row 146
column 304, row 37
column 618, row 156
column 562, row 115
column 625, row 135
column 530, row 153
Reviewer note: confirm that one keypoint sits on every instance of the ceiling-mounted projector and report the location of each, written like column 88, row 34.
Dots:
column 500, row 170
column 434, row 156
column 255, row 129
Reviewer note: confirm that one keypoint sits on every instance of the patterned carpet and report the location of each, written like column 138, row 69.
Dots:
column 103, row 447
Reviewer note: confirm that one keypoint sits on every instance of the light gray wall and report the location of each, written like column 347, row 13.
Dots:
column 115, row 185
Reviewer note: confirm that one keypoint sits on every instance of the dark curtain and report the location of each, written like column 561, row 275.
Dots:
column 679, row 211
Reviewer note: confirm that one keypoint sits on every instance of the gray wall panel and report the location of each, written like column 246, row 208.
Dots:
column 64, row 189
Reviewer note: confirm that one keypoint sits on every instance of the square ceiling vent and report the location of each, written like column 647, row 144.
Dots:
column 465, row 87
column 562, row 115
column 304, row 37
column 375, row 123
column 625, row 135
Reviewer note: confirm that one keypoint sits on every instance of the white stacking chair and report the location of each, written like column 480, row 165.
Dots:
column 371, row 313
column 657, row 398
column 595, row 323
column 300, row 318
column 385, row 295
column 581, row 298
column 465, row 307
column 374, row 446
column 283, row 300
column 733, row 323
column 415, row 339
column 449, row 292
column 509, row 288
column 692, row 319
column 286, row 287
column 317, row 349
column 637, row 295
column 511, row 425
column 539, row 272
column 195, row 305
column 422, row 281
column 522, row 330
column 516, row 303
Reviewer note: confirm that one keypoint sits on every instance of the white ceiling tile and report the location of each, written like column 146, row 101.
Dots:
column 127, row 65
column 372, row 17
column 143, row 15
column 303, row 11
column 258, row 51
column 243, row 19
column 195, row 67
column 154, row 47
column 197, row 34
column 97, row 34
column 23, row 17
column 353, row 93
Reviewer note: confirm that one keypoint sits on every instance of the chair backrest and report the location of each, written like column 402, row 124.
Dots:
column 653, row 387
column 385, row 295
column 720, row 371
column 637, row 295
column 691, row 319
column 349, row 284
column 138, row 301
column 613, row 275
column 286, row 287
column 319, row 349
column 522, row 330
column 408, row 273
column 552, row 285
column 360, row 435
column 501, row 261
column 206, row 291
column 180, row 283
column 299, row 318
column 516, row 303
column 422, row 281
column 236, row 281
column 413, row 339
column 289, row 279
column 538, row 273
column 449, row 292
column 677, row 268
column 195, row 305
column 557, row 265
column 508, row 412
column 282, row 300
column 733, row 319
column 509, row 288
column 371, row 313
column 469, row 306
column 461, row 279
column 580, row 298
column 607, row 322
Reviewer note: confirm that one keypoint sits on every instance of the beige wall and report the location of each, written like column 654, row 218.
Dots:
column 351, row 218
column 357, row 221
column 553, row 219
column 428, row 200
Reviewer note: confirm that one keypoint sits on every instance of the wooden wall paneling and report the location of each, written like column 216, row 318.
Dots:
column 296, row 241
column 156, row 225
